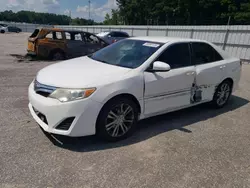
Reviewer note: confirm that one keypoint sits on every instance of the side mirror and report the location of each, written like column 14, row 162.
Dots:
column 159, row 66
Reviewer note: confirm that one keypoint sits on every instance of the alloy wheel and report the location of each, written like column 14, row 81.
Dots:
column 223, row 94
column 119, row 120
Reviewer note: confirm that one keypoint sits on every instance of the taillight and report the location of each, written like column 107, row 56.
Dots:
column 114, row 41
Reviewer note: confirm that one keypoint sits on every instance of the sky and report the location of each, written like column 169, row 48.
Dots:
column 78, row 8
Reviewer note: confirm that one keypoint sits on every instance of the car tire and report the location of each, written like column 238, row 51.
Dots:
column 2, row 31
column 222, row 94
column 117, row 119
column 57, row 55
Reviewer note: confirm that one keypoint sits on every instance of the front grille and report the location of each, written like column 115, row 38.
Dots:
column 65, row 124
column 42, row 89
column 41, row 116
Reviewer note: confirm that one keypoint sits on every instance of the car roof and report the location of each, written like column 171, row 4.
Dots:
column 166, row 39
column 63, row 30
column 114, row 31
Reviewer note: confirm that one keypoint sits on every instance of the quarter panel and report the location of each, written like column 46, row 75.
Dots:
column 208, row 76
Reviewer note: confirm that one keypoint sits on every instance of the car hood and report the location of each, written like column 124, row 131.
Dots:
column 80, row 72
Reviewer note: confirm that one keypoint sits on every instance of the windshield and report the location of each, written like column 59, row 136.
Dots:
column 126, row 53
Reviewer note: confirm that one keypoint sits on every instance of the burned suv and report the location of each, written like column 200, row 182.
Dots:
column 59, row 44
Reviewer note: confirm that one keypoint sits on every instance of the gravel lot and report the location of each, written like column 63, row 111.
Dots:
column 196, row 147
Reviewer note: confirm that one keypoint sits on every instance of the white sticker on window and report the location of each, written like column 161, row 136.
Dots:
column 153, row 45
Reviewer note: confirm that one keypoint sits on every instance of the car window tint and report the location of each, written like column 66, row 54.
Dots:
column 204, row 53
column 177, row 55
column 119, row 34
column 59, row 35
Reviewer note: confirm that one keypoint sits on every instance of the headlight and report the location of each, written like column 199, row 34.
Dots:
column 66, row 95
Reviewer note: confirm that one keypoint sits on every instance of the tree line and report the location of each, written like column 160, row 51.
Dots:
column 151, row 12
column 180, row 12
column 43, row 18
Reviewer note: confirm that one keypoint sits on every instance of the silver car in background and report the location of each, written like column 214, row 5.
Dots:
column 112, row 36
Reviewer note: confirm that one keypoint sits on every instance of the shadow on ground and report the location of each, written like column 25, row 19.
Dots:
column 148, row 128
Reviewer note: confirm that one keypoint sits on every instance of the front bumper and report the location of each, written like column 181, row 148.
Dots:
column 85, row 113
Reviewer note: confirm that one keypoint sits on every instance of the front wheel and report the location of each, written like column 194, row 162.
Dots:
column 2, row 31
column 222, row 94
column 117, row 120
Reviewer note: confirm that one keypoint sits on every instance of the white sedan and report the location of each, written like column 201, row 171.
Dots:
column 107, row 92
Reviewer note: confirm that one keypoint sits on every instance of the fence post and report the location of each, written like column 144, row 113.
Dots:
column 192, row 33
column 225, row 39
column 166, row 32
column 147, row 31
column 94, row 30
column 132, row 32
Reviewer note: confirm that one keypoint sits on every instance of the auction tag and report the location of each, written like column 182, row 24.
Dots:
column 149, row 44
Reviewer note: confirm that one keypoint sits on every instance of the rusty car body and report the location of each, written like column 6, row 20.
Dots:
column 59, row 44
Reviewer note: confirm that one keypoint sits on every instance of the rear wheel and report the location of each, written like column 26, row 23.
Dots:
column 222, row 94
column 117, row 120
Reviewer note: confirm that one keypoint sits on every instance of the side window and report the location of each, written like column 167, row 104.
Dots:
column 176, row 55
column 91, row 39
column 68, row 36
column 119, row 34
column 78, row 36
column 112, row 34
column 58, row 35
column 204, row 53
column 49, row 36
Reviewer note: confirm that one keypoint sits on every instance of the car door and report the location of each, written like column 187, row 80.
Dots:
column 166, row 91
column 210, row 69
column 75, row 44
column 92, row 43
column 51, row 41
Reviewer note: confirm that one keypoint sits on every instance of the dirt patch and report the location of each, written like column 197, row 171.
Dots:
column 26, row 58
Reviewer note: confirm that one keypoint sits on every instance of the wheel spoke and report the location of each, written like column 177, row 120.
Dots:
column 128, row 120
column 110, row 125
column 122, row 108
column 219, row 93
column 112, row 115
column 128, row 109
column 115, row 131
column 124, row 128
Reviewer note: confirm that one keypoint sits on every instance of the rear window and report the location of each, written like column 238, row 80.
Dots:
column 35, row 33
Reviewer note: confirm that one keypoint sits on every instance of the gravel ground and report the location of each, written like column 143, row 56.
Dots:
column 196, row 147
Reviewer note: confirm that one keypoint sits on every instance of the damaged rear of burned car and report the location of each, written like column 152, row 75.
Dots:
column 59, row 44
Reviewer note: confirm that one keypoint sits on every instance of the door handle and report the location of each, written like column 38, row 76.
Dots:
column 224, row 66
column 190, row 73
